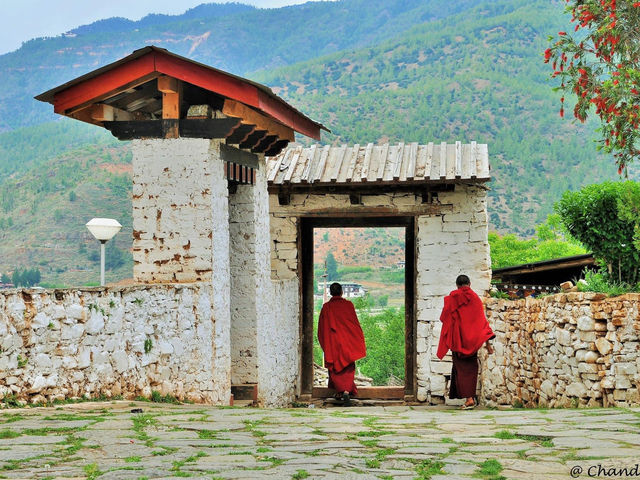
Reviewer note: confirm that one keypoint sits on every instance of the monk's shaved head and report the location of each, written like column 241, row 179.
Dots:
column 335, row 289
column 462, row 280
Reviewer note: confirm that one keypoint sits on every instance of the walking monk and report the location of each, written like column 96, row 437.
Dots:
column 342, row 341
column 464, row 330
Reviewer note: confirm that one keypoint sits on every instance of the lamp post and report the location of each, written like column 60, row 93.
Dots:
column 103, row 229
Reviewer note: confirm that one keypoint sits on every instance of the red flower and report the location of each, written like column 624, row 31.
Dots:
column 547, row 55
column 562, row 33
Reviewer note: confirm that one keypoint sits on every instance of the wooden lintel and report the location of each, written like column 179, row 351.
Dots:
column 251, row 117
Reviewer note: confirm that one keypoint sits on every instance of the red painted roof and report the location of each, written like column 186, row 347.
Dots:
column 148, row 61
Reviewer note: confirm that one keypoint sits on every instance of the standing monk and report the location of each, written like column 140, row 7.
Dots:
column 464, row 330
column 342, row 341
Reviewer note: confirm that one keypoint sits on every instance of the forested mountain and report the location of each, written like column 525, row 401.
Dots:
column 371, row 70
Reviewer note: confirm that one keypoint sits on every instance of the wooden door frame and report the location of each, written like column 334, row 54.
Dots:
column 306, row 225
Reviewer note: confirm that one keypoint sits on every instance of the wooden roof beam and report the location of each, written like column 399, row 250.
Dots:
column 249, row 116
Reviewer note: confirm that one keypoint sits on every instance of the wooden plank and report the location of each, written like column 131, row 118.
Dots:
column 443, row 160
column 458, row 160
column 335, row 162
column 397, row 164
column 384, row 153
column 473, row 158
column 319, row 172
column 367, row 161
column 292, row 165
column 451, row 161
column 466, row 162
column 380, row 393
column 429, row 162
column 411, row 165
column 304, row 178
column 276, row 168
column 484, row 170
column 301, row 165
column 352, row 163
column 249, row 116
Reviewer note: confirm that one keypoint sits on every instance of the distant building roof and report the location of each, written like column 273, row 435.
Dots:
column 547, row 272
column 380, row 164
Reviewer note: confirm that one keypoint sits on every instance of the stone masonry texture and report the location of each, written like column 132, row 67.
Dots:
column 129, row 341
column 569, row 349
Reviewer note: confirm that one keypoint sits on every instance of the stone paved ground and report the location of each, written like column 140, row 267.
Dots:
column 107, row 441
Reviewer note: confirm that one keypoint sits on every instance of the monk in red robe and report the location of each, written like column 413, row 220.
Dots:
column 464, row 330
column 342, row 341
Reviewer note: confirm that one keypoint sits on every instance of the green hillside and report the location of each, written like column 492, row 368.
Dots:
column 235, row 38
column 373, row 71
column 477, row 76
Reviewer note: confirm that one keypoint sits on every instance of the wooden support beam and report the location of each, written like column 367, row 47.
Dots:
column 171, row 99
column 249, row 116
column 106, row 113
column 254, row 139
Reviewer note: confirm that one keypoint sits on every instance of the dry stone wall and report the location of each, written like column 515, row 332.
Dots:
column 569, row 349
column 451, row 239
column 112, row 341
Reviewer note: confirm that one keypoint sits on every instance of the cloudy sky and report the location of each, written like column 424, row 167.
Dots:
column 23, row 20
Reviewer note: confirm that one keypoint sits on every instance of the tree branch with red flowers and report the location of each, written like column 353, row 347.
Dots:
column 599, row 64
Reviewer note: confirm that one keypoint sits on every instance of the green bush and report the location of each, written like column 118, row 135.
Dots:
column 601, row 217
column 598, row 282
column 384, row 335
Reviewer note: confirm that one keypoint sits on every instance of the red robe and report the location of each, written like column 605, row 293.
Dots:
column 342, row 341
column 464, row 325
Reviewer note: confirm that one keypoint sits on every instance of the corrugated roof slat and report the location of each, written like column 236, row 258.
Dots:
column 402, row 163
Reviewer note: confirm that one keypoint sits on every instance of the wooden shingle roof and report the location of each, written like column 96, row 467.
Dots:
column 380, row 164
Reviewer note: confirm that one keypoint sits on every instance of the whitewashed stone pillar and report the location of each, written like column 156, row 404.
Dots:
column 181, row 230
column 451, row 243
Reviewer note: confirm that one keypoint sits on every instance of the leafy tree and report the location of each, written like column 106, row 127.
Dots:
column 384, row 335
column 594, row 216
column 332, row 267
column 599, row 63
column 5, row 278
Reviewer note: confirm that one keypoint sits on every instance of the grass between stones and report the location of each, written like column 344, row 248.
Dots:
column 427, row 468
column 543, row 440
column 299, row 475
column 489, row 470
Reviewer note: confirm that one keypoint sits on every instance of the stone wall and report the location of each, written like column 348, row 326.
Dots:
column 180, row 212
column 451, row 239
column 568, row 349
column 112, row 341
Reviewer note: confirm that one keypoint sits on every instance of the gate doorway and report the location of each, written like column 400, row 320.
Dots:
column 306, row 256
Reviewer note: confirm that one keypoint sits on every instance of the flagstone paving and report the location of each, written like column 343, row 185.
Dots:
column 106, row 440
